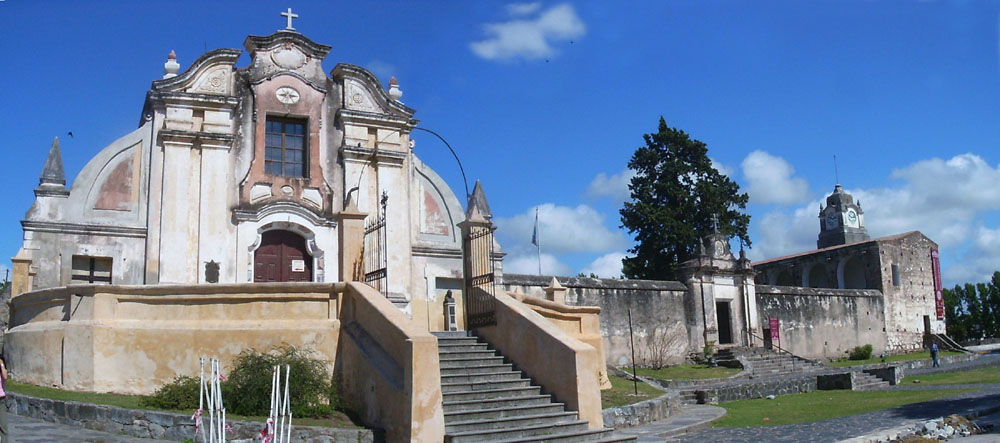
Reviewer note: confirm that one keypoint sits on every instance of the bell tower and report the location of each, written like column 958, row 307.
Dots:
column 842, row 221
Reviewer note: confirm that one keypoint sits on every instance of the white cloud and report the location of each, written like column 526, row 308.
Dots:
column 721, row 167
column 561, row 229
column 518, row 9
column 613, row 186
column 529, row 38
column 781, row 233
column 770, row 179
column 979, row 262
column 528, row 264
column 607, row 266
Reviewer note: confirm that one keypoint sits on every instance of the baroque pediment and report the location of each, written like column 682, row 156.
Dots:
column 212, row 74
column 286, row 52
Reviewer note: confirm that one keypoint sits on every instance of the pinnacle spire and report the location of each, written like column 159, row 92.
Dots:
column 478, row 200
column 52, row 173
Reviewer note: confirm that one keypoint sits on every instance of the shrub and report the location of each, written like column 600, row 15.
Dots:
column 861, row 352
column 179, row 394
column 247, row 392
column 248, row 387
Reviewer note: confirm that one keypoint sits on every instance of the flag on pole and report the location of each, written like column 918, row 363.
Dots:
column 534, row 234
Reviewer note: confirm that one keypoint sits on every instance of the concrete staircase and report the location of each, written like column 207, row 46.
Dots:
column 761, row 363
column 867, row 382
column 486, row 399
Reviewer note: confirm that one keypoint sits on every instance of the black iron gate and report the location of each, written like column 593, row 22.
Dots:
column 480, row 282
column 376, row 258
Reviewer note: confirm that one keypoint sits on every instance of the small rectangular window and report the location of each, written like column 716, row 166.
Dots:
column 895, row 275
column 285, row 150
column 91, row 270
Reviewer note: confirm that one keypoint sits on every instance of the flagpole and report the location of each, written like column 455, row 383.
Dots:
column 538, row 244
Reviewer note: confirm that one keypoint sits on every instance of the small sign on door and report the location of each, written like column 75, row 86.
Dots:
column 298, row 266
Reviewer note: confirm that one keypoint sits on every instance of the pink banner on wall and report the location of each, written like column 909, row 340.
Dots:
column 938, row 293
column 774, row 328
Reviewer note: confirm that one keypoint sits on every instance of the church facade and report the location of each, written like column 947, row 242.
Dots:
column 239, row 175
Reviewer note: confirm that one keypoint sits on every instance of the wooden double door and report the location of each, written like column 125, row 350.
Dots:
column 282, row 256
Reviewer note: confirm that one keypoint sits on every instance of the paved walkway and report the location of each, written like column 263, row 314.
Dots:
column 691, row 418
column 29, row 430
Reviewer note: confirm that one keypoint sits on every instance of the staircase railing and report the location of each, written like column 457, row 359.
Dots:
column 780, row 349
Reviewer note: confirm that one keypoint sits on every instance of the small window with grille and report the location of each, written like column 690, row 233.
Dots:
column 285, row 147
column 91, row 270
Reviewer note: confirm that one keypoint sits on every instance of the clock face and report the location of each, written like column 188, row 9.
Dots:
column 852, row 218
column 831, row 220
column 287, row 95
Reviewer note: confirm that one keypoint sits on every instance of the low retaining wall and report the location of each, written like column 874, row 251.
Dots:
column 643, row 412
column 756, row 389
column 160, row 425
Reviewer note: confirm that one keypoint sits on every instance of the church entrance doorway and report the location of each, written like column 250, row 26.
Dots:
column 722, row 317
column 282, row 256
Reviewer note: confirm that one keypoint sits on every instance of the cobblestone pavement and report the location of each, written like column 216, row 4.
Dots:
column 841, row 428
column 29, row 430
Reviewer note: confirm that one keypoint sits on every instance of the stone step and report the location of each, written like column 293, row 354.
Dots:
column 451, row 347
column 495, row 403
column 451, row 335
column 605, row 435
column 485, row 385
column 510, row 411
column 491, row 393
column 471, row 362
column 467, row 355
column 471, row 370
column 457, row 341
column 519, row 434
column 483, row 377
column 515, row 422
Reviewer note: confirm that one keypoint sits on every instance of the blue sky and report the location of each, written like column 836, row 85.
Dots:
column 545, row 103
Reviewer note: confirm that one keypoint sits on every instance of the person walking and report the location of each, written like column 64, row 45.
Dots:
column 934, row 355
column 5, row 434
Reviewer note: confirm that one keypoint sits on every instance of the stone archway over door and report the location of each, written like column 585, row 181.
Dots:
column 282, row 256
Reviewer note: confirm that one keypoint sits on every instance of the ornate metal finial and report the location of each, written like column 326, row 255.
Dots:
column 385, row 200
column 289, row 15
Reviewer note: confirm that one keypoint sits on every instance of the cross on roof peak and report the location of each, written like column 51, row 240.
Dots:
column 289, row 15
column 715, row 222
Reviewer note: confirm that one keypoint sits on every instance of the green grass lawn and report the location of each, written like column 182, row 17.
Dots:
column 978, row 376
column 686, row 372
column 919, row 355
column 337, row 420
column 820, row 405
column 622, row 393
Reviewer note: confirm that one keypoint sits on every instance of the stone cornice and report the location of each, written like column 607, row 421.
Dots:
column 430, row 251
column 194, row 100
column 210, row 140
column 77, row 228
column 256, row 42
column 258, row 213
column 388, row 121
column 364, row 155
column 218, row 56
column 347, row 70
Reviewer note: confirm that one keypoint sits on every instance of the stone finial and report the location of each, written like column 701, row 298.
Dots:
column 52, row 173
column 556, row 292
column 394, row 90
column 478, row 199
column 171, row 67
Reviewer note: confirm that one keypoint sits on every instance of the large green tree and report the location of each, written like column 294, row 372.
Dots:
column 675, row 193
column 973, row 310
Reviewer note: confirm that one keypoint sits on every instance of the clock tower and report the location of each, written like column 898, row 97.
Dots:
column 842, row 221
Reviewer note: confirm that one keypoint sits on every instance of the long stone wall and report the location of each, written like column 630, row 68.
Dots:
column 824, row 323
column 664, row 318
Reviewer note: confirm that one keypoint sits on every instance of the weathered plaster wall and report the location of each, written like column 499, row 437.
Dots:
column 823, row 323
column 664, row 317
column 908, row 303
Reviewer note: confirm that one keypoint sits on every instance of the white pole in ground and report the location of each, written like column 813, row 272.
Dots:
column 288, row 406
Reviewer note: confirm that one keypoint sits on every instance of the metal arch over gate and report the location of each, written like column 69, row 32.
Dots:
column 376, row 257
column 480, row 285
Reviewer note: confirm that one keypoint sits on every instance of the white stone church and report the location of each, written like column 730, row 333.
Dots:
column 242, row 175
